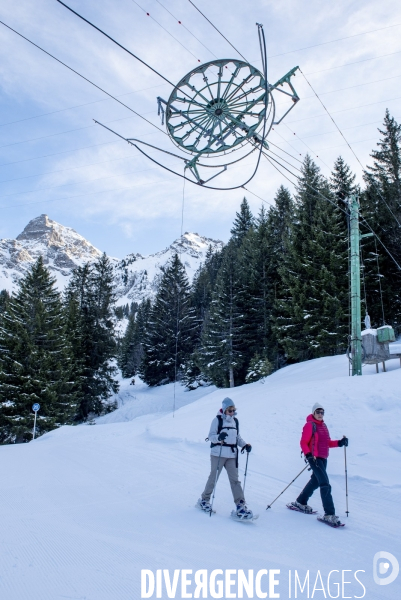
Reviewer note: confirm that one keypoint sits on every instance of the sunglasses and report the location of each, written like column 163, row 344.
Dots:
column 231, row 410
column 319, row 411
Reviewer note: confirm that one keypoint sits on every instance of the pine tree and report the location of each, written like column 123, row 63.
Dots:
column 170, row 331
column 131, row 353
column 259, row 368
column 243, row 222
column 381, row 207
column 311, row 311
column 91, row 287
column 342, row 182
column 221, row 354
column 4, row 298
column 35, row 357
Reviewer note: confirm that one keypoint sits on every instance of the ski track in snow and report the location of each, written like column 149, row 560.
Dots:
column 86, row 508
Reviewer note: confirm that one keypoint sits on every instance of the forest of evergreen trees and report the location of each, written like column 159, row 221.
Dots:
column 277, row 293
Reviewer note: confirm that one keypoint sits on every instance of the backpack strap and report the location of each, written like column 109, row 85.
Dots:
column 313, row 437
column 219, row 428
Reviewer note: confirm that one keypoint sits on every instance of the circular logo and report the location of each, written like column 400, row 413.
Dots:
column 36, row 407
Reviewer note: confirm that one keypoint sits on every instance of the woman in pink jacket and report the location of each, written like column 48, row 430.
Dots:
column 315, row 444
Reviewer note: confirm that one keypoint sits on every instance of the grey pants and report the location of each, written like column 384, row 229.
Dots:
column 232, row 472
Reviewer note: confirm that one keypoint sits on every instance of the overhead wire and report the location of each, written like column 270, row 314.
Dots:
column 305, row 144
column 343, row 129
column 53, row 112
column 345, row 109
column 349, row 146
column 353, row 63
column 336, row 40
column 185, row 27
column 365, row 222
column 80, row 75
column 218, row 31
column 166, row 30
column 115, row 42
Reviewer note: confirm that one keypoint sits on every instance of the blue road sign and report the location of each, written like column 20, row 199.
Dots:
column 36, row 407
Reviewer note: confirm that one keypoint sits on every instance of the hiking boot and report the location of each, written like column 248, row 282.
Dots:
column 243, row 511
column 302, row 507
column 332, row 520
column 204, row 505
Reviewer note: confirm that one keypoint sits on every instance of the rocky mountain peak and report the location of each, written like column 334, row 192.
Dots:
column 38, row 228
column 63, row 249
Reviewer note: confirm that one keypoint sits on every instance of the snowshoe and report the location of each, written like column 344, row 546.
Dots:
column 332, row 521
column 243, row 513
column 205, row 506
column 248, row 519
column 304, row 508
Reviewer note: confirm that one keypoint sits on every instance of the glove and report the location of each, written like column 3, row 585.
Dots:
column 308, row 455
column 343, row 442
column 222, row 436
column 247, row 447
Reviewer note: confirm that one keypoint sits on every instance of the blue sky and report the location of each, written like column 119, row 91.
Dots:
column 55, row 160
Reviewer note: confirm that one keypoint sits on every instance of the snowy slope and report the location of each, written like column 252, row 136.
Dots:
column 86, row 508
column 63, row 249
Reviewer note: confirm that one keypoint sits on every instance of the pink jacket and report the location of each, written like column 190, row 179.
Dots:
column 319, row 442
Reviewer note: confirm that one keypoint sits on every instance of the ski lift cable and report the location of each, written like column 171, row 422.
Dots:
column 80, row 75
column 363, row 275
column 185, row 27
column 53, row 112
column 178, row 298
column 289, row 143
column 134, row 142
column 256, row 196
column 218, row 31
column 43, row 137
column 355, row 62
column 115, row 42
column 334, row 112
column 349, row 146
column 309, row 148
column 208, row 49
column 365, row 222
column 388, row 252
column 166, row 30
column 282, row 150
column 336, row 40
column 270, row 158
column 380, row 283
column 343, row 129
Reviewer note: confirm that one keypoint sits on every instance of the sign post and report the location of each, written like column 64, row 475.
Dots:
column 35, row 408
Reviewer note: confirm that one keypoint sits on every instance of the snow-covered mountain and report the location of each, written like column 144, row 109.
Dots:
column 63, row 250
column 137, row 276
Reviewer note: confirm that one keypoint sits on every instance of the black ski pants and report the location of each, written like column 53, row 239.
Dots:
column 319, row 479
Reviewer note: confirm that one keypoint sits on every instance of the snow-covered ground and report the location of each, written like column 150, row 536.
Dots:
column 86, row 508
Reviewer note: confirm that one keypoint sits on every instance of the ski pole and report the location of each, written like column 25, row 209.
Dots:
column 215, row 481
column 270, row 505
column 246, row 471
column 346, row 480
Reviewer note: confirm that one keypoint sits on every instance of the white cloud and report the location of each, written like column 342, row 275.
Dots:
column 116, row 193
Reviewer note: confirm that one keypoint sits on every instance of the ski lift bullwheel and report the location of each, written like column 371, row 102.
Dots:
column 218, row 107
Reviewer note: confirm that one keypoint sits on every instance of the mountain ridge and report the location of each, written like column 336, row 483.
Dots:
column 63, row 250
